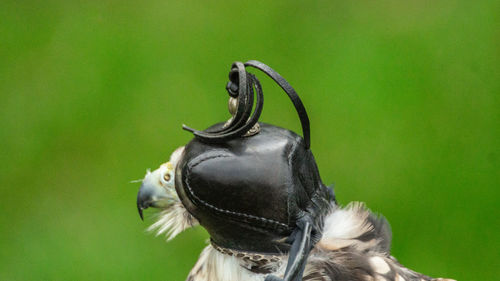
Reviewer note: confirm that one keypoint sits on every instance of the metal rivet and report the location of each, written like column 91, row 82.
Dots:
column 232, row 105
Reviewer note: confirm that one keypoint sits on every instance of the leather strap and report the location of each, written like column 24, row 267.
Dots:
column 303, row 240
column 292, row 94
column 241, row 86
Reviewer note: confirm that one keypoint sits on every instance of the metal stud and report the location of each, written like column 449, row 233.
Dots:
column 232, row 105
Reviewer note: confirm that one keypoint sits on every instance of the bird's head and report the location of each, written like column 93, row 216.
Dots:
column 158, row 191
column 158, row 187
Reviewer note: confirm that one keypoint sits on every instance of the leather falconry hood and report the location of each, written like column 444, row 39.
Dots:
column 255, row 187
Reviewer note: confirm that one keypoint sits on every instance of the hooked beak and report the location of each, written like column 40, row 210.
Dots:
column 150, row 195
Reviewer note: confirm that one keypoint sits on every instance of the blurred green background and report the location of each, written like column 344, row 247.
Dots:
column 403, row 98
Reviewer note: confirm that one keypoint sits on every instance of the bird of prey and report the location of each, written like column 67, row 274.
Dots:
column 354, row 246
column 256, row 189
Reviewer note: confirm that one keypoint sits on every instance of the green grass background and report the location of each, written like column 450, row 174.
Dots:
column 403, row 98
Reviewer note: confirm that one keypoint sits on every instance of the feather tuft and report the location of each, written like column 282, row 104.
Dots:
column 173, row 221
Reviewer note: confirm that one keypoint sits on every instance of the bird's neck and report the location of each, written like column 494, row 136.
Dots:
column 217, row 263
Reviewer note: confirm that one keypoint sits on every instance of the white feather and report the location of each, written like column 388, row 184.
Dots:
column 343, row 227
column 213, row 265
column 173, row 221
column 347, row 223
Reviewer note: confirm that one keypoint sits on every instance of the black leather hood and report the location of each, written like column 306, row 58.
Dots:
column 255, row 187
column 249, row 192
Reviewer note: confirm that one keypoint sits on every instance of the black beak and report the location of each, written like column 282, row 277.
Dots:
column 140, row 212
column 143, row 200
column 150, row 195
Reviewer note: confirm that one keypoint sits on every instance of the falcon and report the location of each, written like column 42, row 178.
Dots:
column 256, row 189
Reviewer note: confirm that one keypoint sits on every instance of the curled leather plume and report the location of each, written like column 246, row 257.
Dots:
column 241, row 86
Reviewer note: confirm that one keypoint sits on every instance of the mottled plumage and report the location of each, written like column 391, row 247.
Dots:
column 354, row 246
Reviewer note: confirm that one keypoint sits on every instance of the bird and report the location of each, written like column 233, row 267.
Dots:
column 354, row 243
column 256, row 189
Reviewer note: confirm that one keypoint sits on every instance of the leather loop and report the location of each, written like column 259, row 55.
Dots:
column 241, row 86
column 237, row 77
column 292, row 94
column 237, row 130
